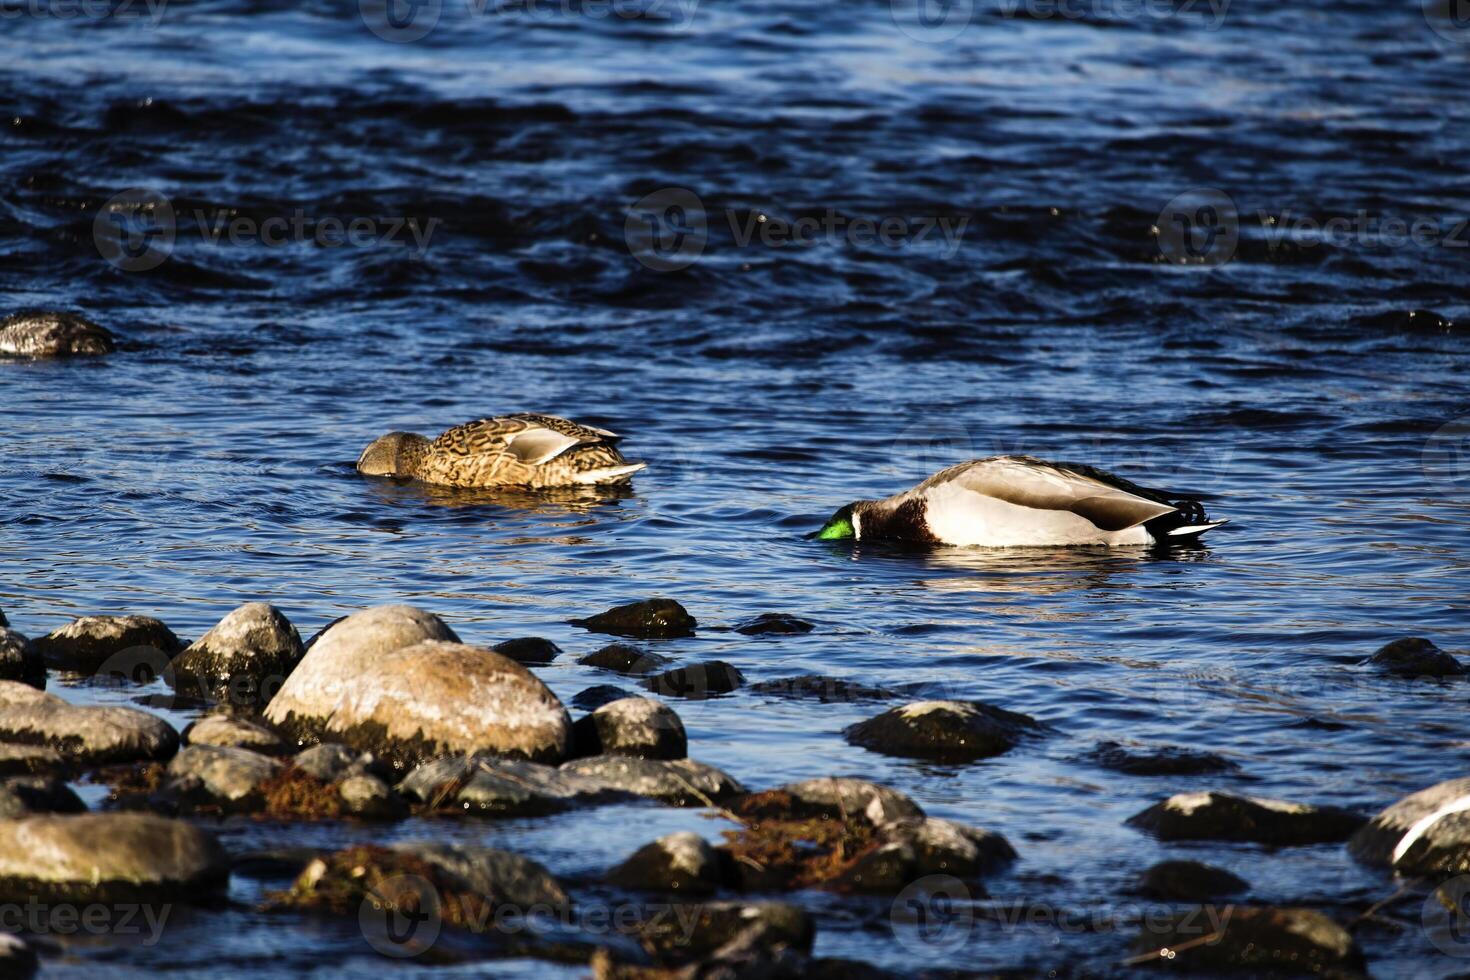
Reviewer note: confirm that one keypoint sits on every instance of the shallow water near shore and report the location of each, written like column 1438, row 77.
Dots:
column 209, row 461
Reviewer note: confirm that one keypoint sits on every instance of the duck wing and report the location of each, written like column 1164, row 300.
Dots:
column 531, row 439
column 1109, row 502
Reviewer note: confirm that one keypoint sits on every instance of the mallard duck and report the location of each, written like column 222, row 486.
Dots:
column 512, row 451
column 1015, row 501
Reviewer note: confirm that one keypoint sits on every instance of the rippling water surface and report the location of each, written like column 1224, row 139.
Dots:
column 209, row 461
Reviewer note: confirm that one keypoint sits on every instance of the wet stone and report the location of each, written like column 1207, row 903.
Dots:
column 818, row 687
column 86, row 644
column 1266, row 941
column 1189, row 881
column 696, row 681
column 241, row 660
column 47, row 333
column 680, row 782
column 1425, row 833
column 592, row 698
column 1224, row 817
column 331, row 761
column 1166, row 760
column 18, row 959
column 492, row 786
column 715, row 924
column 83, row 735
column 631, row 726
column 835, row 796
column 933, row 846
column 20, row 660
column 767, row 624
column 227, row 731
column 18, row 759
column 624, row 659
column 23, row 795
column 231, row 777
column 944, row 731
column 528, row 650
column 649, row 619
column 370, row 798
column 1414, row 656
column 683, row 862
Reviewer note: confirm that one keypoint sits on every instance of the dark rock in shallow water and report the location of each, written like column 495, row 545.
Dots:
column 1189, row 881
column 1221, row 816
column 817, row 687
column 493, row 786
column 243, row 659
column 648, row 619
column 20, row 660
column 1425, row 833
column 528, row 650
column 87, row 643
column 227, row 731
column 83, row 735
column 624, row 659
column 43, row 333
column 592, row 698
column 1165, row 760
column 25, row 795
column 697, row 931
column 1414, row 656
column 683, row 862
column 680, row 782
column 769, row 623
column 945, row 731
column 838, row 796
column 18, row 961
column 696, row 681
column 370, row 798
column 1267, row 941
column 20, row 759
column 331, row 761
column 229, row 777
column 632, row 726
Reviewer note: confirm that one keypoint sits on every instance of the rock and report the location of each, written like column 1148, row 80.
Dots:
column 696, row 931
column 1166, row 760
column 945, row 731
column 85, row 644
column 1425, row 833
column 228, row 731
column 592, row 698
column 681, row 782
column 3, row 621
column 46, row 333
column 19, row 660
column 24, row 795
column 19, row 759
column 231, row 777
column 817, row 687
column 834, row 796
column 83, row 735
column 1189, row 881
column 648, row 619
column 488, row 785
column 502, row 876
column 1265, row 941
column 696, row 681
column 332, row 761
column 1414, row 656
column 409, row 703
column 370, row 798
column 774, row 623
column 107, row 857
column 243, row 659
column 1221, row 816
column 945, row 847
column 683, row 862
column 18, row 961
column 528, row 650
column 624, row 659
column 633, row 726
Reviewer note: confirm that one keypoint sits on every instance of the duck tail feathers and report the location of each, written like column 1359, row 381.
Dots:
column 1195, row 530
column 608, row 474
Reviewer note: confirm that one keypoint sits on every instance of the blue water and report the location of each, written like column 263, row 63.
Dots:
column 208, row 462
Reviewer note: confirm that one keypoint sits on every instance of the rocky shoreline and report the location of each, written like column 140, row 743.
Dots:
column 386, row 715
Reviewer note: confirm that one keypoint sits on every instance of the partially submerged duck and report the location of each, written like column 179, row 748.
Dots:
column 43, row 333
column 511, row 451
column 1019, row 501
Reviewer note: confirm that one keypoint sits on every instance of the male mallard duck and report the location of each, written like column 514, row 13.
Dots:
column 1012, row 501
column 515, row 450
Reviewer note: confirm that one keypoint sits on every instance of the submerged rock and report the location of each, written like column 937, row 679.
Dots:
column 528, row 650
column 1189, row 881
column 779, row 623
column 242, row 659
column 83, row 735
column 489, row 785
column 25, row 795
column 697, row 931
column 19, row 660
column 85, row 644
column 932, row 846
column 1414, row 656
column 1425, row 833
column 1165, row 760
column 818, row 687
column 649, row 619
column 370, row 798
column 1221, row 816
column 624, row 659
column 592, row 698
column 945, row 731
column 680, row 782
column 230, row 777
column 363, row 685
column 696, row 681
column 683, row 862
column 229, row 731
column 1266, row 941
column 46, row 333
column 631, row 726
column 107, row 857
column 834, row 796
column 331, row 761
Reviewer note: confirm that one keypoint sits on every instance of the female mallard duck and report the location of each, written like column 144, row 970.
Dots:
column 516, row 450
column 1015, row 501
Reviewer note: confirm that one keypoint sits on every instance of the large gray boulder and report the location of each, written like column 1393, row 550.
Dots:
column 87, row 643
column 246, row 655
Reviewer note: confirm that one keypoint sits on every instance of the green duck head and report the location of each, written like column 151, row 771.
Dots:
column 838, row 527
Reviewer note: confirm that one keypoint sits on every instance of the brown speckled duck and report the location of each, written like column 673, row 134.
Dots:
column 521, row 450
